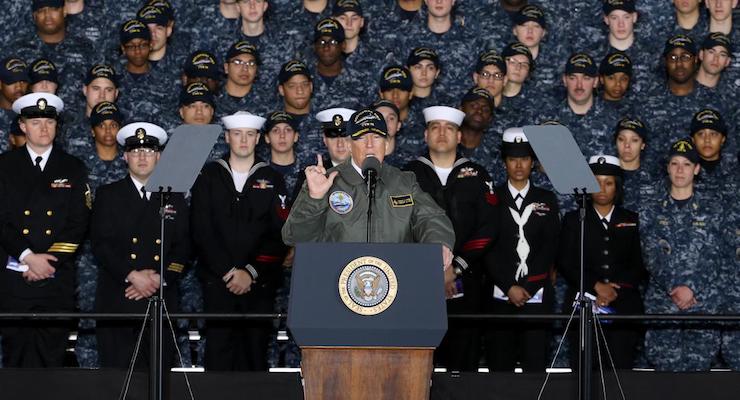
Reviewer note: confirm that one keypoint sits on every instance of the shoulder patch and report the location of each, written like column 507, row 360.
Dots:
column 404, row 200
column 341, row 202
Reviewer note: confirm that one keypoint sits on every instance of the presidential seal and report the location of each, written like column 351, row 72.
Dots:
column 368, row 285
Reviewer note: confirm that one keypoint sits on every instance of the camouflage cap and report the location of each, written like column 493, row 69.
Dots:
column 684, row 148
column 396, row 77
column 581, row 63
column 42, row 70
column 366, row 121
column 291, row 69
column 679, row 41
column 329, row 27
column 134, row 29
column 632, row 124
column 614, row 62
column 717, row 39
column 422, row 53
column 529, row 13
column 624, row 5
column 708, row 119
column 196, row 91
column 12, row 70
column 105, row 111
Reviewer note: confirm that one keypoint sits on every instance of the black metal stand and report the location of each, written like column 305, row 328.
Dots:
column 156, row 369
column 585, row 323
column 370, row 200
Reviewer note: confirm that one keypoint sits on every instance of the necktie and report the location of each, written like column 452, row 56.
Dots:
column 38, row 163
column 143, row 194
column 605, row 222
column 519, row 199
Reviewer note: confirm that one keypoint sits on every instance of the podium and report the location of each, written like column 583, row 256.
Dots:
column 367, row 317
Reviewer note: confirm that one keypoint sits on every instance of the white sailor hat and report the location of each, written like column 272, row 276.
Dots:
column 605, row 165
column 443, row 113
column 515, row 143
column 514, row 135
column 141, row 134
column 38, row 105
column 244, row 120
column 328, row 114
column 334, row 121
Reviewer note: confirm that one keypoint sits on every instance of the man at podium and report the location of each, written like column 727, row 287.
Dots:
column 334, row 207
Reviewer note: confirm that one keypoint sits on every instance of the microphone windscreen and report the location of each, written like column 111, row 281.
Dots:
column 371, row 162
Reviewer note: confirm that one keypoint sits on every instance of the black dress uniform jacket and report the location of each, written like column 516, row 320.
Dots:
column 610, row 255
column 541, row 232
column 508, row 343
column 126, row 236
column 46, row 212
column 469, row 200
column 232, row 229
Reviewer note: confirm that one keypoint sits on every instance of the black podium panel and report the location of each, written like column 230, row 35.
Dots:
column 317, row 315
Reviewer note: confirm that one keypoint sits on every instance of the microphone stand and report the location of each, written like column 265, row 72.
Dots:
column 370, row 179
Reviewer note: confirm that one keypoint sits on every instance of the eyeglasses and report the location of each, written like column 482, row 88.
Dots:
column 517, row 64
column 497, row 76
column 132, row 47
column 330, row 42
column 244, row 64
column 685, row 57
column 144, row 151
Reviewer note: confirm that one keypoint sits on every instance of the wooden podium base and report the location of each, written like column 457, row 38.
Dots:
column 360, row 373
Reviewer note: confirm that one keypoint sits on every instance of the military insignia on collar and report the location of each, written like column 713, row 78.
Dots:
column 262, row 184
column 404, row 200
column 341, row 202
column 61, row 184
column 140, row 133
column 467, row 172
column 41, row 104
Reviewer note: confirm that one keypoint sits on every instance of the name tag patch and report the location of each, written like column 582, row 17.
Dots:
column 61, row 184
column 404, row 200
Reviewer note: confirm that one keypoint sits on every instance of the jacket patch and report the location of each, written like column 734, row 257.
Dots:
column 341, row 202
column 61, row 184
column 262, row 184
column 467, row 172
column 404, row 200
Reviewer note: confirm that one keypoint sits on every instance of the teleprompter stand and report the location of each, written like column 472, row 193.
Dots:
column 569, row 173
column 178, row 167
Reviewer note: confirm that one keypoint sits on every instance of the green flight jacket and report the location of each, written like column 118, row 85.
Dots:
column 402, row 212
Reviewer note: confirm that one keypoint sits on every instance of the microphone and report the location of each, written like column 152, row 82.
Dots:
column 370, row 168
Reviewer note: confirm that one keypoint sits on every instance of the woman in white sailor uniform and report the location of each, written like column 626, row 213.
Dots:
column 521, row 261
